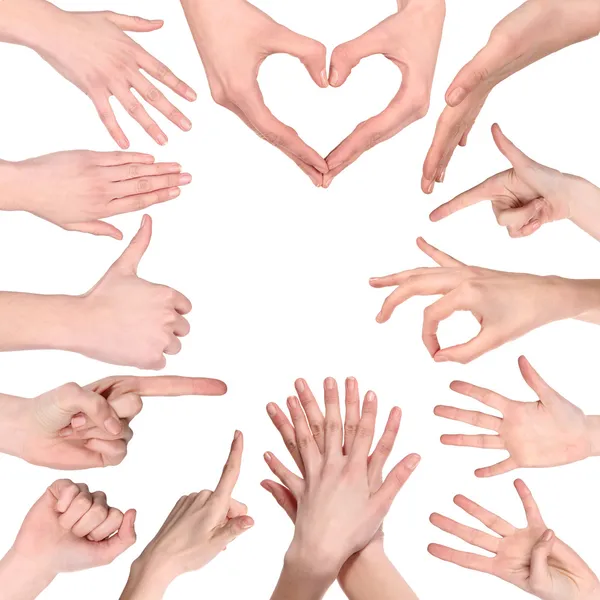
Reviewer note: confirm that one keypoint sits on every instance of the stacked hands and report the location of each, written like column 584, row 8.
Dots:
column 340, row 498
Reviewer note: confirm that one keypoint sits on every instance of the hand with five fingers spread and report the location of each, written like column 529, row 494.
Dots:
column 340, row 503
column 76, row 190
column 534, row 30
column 546, row 433
column 81, row 428
column 198, row 529
column 368, row 573
column 234, row 38
column 411, row 40
column 532, row 558
column 530, row 195
column 68, row 529
column 92, row 51
column 507, row 305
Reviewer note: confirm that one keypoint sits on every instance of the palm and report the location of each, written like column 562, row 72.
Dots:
column 513, row 560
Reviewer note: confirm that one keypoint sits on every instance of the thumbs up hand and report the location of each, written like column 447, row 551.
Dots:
column 135, row 322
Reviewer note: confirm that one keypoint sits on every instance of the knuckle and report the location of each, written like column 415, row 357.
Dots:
column 142, row 185
column 162, row 71
column 219, row 96
column 363, row 432
column 303, row 442
column 133, row 171
column 291, row 446
column 152, row 94
column 133, row 108
column 70, row 389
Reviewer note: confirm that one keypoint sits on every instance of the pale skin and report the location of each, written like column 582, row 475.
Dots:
column 410, row 39
column 530, row 195
column 122, row 320
column 68, row 529
column 234, row 38
column 506, row 305
column 92, row 51
column 546, row 433
column 199, row 528
column 531, row 558
column 533, row 31
column 339, row 504
column 73, row 427
column 77, row 190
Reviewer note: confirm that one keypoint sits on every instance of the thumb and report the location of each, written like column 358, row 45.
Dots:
column 534, row 380
column 234, row 528
column 540, row 576
column 122, row 540
column 395, row 480
column 518, row 159
column 441, row 258
column 311, row 53
column 96, row 228
column 130, row 259
column 519, row 217
column 283, row 496
column 347, row 56
column 129, row 23
column 72, row 400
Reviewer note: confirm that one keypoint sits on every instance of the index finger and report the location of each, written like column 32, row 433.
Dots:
column 163, row 385
column 231, row 470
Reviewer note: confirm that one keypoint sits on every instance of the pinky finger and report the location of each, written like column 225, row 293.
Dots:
column 107, row 116
column 500, row 468
column 96, row 228
column 142, row 201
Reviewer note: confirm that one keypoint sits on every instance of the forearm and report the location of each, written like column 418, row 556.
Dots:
column 12, row 188
column 25, row 22
column 20, row 580
column 146, row 581
column 301, row 582
column 35, row 322
column 370, row 574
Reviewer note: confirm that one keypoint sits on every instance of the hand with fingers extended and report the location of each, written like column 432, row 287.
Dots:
column 198, row 529
column 81, row 428
column 234, row 38
column 68, row 529
column 530, row 195
column 411, row 40
column 532, row 558
column 546, row 433
column 533, row 31
column 339, row 504
column 367, row 573
column 92, row 51
column 76, row 190
column 506, row 305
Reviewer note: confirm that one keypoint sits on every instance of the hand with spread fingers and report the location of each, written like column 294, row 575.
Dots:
column 83, row 428
column 123, row 320
column 532, row 558
column 530, row 195
column 546, row 433
column 68, row 529
column 76, row 190
column 411, row 40
column 533, row 31
column 339, row 504
column 198, row 529
column 234, row 38
column 506, row 305
column 92, row 51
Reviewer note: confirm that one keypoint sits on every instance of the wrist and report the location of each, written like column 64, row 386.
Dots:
column 593, row 428
column 12, row 187
column 26, row 22
column 148, row 579
column 12, row 425
column 362, row 562
column 22, row 577
column 312, row 563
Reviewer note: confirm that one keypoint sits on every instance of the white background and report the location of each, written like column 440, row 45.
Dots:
column 278, row 273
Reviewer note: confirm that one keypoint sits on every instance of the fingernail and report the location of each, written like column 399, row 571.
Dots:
column 78, row 421
column 174, row 168
column 374, row 280
column 191, row 95
column 185, row 178
column 547, row 536
column 123, row 143
column 268, row 457
column 535, row 224
column 271, row 410
column 292, row 402
column 351, row 383
column 247, row 523
column 161, row 138
column 457, row 96
column 66, row 432
column 186, row 124
column 379, row 318
column 237, row 434
column 443, row 176
column 370, row 397
column 113, row 426
column 412, row 461
column 429, row 188
column 300, row 386
column 174, row 192
column 324, row 78
column 334, row 77
column 329, row 383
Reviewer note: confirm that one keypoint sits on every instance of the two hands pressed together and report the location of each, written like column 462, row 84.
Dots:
column 341, row 495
